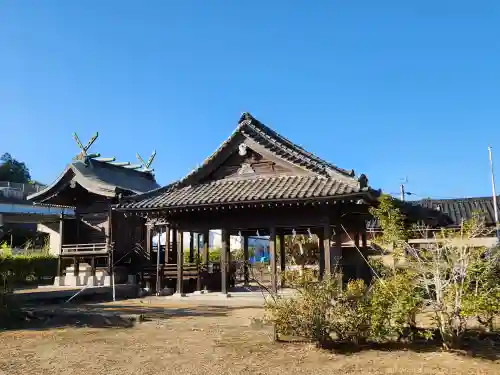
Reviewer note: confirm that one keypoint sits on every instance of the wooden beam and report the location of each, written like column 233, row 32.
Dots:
column 272, row 259
column 224, row 255
column 252, row 219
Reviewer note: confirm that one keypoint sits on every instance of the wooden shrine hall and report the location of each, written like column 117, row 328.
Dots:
column 259, row 181
column 87, row 242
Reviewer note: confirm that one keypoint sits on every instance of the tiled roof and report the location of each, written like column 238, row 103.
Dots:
column 462, row 208
column 279, row 145
column 447, row 212
column 100, row 177
column 247, row 190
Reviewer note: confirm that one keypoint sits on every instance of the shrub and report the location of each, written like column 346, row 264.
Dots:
column 309, row 315
column 20, row 269
column 394, row 302
column 456, row 277
column 350, row 314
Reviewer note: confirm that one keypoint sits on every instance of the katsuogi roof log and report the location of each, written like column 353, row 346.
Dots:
column 101, row 176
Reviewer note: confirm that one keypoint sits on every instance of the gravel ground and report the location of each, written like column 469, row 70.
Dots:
column 180, row 338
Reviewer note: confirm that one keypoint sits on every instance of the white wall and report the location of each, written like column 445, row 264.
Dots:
column 52, row 230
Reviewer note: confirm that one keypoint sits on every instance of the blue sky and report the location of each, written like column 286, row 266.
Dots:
column 392, row 89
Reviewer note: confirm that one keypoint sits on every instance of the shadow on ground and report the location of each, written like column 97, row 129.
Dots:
column 102, row 316
column 475, row 344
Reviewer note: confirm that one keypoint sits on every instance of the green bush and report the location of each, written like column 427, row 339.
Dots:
column 322, row 312
column 309, row 315
column 213, row 256
column 394, row 302
column 21, row 269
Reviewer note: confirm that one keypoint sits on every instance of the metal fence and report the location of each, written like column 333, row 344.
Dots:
column 18, row 190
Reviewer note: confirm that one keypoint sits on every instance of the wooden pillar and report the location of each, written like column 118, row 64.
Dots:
column 61, row 241
column 206, row 239
column 148, row 242
column 167, row 245
column 77, row 220
column 272, row 259
column 198, row 263
column 158, row 252
column 109, row 236
column 180, row 261
column 359, row 259
column 337, row 252
column 282, row 259
column 367, row 273
column 75, row 266
column 246, row 256
column 224, row 261
column 92, row 265
column 191, row 247
column 321, row 246
column 172, row 259
column 327, row 245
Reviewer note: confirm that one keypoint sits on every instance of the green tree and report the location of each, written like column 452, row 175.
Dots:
column 12, row 170
column 455, row 276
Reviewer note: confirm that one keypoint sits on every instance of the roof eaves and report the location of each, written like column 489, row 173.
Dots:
column 207, row 160
column 150, row 194
column 48, row 188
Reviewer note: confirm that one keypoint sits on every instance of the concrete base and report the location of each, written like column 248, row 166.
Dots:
column 64, row 293
column 167, row 292
column 85, row 278
column 178, row 295
column 200, row 292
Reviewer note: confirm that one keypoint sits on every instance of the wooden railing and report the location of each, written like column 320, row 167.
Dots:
column 86, row 248
column 189, row 270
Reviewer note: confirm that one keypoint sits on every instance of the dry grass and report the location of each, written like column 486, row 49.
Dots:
column 201, row 339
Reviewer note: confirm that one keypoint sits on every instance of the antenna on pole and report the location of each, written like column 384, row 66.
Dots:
column 495, row 206
column 402, row 188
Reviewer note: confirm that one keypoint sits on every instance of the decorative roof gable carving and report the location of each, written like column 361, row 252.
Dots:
column 252, row 135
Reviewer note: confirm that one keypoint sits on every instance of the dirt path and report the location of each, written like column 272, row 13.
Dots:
column 187, row 339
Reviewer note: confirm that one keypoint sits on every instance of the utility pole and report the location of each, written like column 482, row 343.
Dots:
column 495, row 206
